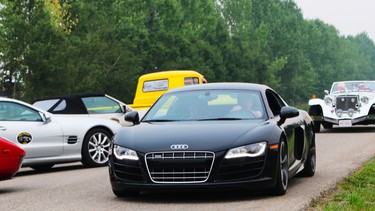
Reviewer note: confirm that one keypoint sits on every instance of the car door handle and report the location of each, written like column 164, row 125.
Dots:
column 3, row 128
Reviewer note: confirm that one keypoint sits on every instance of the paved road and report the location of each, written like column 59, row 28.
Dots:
column 72, row 187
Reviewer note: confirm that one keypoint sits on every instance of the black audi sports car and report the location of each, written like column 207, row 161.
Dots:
column 216, row 135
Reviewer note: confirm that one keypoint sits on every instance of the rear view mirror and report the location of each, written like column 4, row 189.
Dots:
column 132, row 116
column 287, row 112
column 45, row 117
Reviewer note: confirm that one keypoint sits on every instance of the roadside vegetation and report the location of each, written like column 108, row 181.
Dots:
column 58, row 47
column 357, row 192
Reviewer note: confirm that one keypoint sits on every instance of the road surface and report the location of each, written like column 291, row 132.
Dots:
column 72, row 187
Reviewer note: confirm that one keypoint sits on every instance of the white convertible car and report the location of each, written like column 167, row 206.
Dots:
column 49, row 139
column 95, row 105
column 348, row 103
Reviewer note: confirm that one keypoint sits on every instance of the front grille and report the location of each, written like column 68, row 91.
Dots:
column 179, row 167
column 347, row 102
column 240, row 168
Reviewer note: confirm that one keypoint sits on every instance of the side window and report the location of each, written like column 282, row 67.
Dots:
column 101, row 105
column 10, row 111
column 61, row 106
column 156, row 85
column 191, row 80
column 275, row 102
column 45, row 104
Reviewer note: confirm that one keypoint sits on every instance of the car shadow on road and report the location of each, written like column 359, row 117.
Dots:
column 209, row 196
column 25, row 171
column 156, row 197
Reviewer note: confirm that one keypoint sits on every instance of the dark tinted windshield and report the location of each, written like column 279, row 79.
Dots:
column 208, row 105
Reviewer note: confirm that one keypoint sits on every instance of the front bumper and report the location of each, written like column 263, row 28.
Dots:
column 264, row 179
column 368, row 119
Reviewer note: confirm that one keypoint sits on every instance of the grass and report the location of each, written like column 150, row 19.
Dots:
column 357, row 192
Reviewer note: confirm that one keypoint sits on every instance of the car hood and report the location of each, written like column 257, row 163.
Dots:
column 212, row 136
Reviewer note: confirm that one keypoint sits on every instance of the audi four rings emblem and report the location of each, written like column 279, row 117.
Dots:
column 179, row 146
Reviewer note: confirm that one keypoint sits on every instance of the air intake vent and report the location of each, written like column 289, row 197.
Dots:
column 72, row 139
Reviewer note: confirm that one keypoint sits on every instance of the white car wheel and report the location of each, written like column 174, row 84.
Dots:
column 95, row 148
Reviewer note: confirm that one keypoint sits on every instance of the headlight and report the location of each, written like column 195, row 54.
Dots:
column 252, row 150
column 123, row 153
column 364, row 99
column 328, row 100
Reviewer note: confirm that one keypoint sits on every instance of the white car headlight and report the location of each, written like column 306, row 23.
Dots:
column 251, row 150
column 123, row 153
column 364, row 99
column 328, row 100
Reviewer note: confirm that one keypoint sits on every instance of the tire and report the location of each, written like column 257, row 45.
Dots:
column 316, row 127
column 282, row 177
column 95, row 148
column 315, row 111
column 310, row 164
column 327, row 125
column 42, row 167
column 125, row 193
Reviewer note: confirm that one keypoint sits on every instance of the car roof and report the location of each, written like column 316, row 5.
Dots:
column 73, row 97
column 74, row 102
column 223, row 85
column 169, row 73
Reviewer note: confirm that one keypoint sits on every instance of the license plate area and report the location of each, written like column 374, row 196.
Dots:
column 345, row 123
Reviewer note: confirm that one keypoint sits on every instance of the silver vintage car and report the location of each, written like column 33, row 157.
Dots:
column 348, row 103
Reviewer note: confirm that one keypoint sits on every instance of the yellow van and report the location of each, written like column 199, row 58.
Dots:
column 151, row 86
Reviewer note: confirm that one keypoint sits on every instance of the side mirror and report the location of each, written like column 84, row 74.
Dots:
column 45, row 118
column 287, row 112
column 132, row 116
column 326, row 92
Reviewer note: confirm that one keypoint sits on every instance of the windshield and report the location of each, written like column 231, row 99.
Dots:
column 353, row 86
column 204, row 105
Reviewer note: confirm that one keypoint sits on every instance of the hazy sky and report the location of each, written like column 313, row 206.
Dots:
column 350, row 17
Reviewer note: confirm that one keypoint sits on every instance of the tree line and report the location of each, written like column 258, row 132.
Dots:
column 58, row 47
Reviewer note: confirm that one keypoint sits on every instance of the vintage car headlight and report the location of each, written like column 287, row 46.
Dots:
column 123, row 153
column 364, row 99
column 328, row 100
column 251, row 150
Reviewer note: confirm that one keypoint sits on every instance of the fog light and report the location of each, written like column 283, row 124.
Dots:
column 339, row 112
column 351, row 112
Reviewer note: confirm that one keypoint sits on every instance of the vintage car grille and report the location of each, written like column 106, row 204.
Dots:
column 179, row 167
column 240, row 168
column 128, row 170
column 347, row 102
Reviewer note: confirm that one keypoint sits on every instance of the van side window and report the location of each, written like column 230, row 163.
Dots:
column 155, row 85
column 191, row 80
